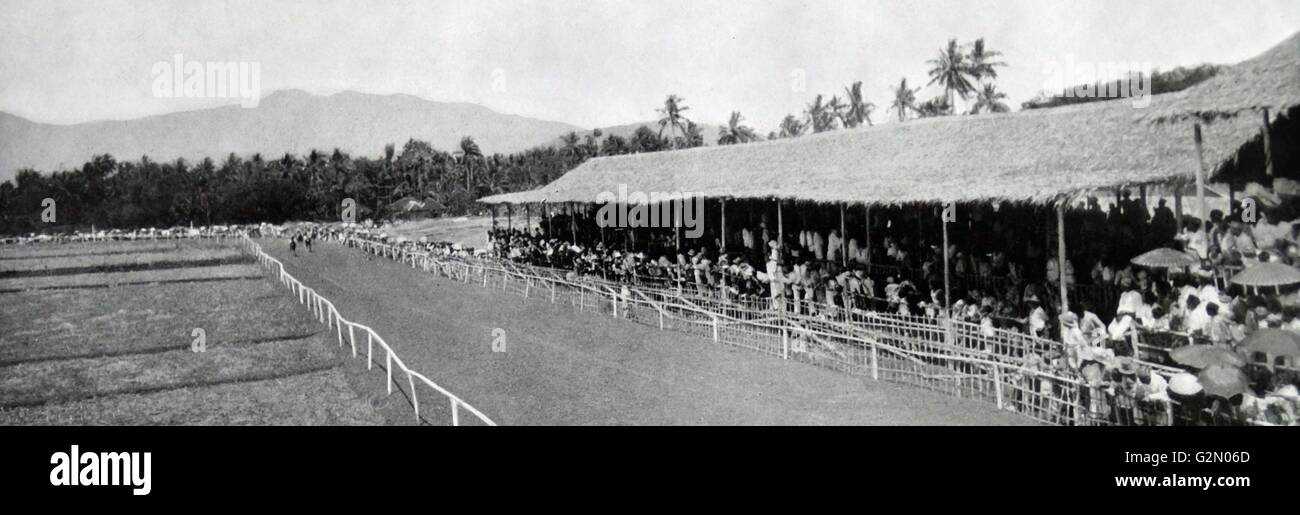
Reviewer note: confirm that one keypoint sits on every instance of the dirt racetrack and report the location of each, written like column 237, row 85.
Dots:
column 570, row 368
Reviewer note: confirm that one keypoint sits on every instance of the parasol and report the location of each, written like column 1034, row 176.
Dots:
column 1202, row 356
column 1165, row 258
column 1222, row 380
column 1274, row 342
column 1267, row 274
column 1184, row 384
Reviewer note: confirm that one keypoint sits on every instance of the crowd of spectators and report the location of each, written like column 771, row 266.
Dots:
column 1144, row 314
column 1122, row 353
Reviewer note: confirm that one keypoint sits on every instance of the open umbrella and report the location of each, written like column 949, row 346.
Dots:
column 1274, row 342
column 1183, row 383
column 1223, row 380
column 1267, row 274
column 1165, row 258
column 1202, row 356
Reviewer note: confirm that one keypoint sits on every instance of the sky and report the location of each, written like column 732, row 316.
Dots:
column 593, row 63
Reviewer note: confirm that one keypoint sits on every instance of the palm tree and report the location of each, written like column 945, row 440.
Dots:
column 468, row 152
column 734, row 132
column 791, row 127
column 952, row 71
column 570, row 142
column 857, row 109
column 990, row 99
column 670, row 116
column 835, row 110
column 904, row 99
column 388, row 179
column 591, row 143
column 982, row 64
column 937, row 106
column 819, row 116
column 694, row 136
column 614, row 145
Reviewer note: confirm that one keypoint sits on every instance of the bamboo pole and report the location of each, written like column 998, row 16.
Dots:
column 1178, row 206
column 946, row 290
column 867, row 244
column 844, row 239
column 1200, row 183
column 573, row 223
column 1268, row 147
column 724, row 224
column 1060, row 255
column 677, row 232
column 1232, row 200
column 780, row 226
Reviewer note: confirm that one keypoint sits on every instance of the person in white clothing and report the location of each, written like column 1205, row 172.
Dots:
column 834, row 250
column 854, row 250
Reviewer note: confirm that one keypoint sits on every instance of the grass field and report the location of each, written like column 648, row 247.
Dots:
column 114, row 347
column 90, row 263
column 97, row 248
column 562, row 367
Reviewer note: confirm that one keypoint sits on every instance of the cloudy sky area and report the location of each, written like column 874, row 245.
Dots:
column 592, row 63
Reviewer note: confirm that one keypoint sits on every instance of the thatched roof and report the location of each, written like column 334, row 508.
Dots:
column 1269, row 80
column 1035, row 156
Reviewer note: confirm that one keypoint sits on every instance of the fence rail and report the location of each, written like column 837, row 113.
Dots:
column 325, row 312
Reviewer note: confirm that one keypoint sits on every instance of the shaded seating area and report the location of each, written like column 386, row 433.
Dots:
column 1025, row 222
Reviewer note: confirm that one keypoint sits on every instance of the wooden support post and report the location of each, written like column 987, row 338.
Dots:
column 723, row 207
column 1232, row 199
column 947, row 294
column 844, row 239
column 1268, row 146
column 1200, row 182
column 867, row 244
column 1178, row 206
column 780, row 228
column 1060, row 254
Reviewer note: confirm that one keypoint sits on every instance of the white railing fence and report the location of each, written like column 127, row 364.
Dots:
column 325, row 312
column 123, row 237
column 948, row 360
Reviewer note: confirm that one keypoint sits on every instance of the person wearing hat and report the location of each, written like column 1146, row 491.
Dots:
column 1152, row 387
column 1072, row 337
column 1188, row 397
column 1120, row 329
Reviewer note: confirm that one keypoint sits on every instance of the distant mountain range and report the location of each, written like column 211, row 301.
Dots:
column 286, row 121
